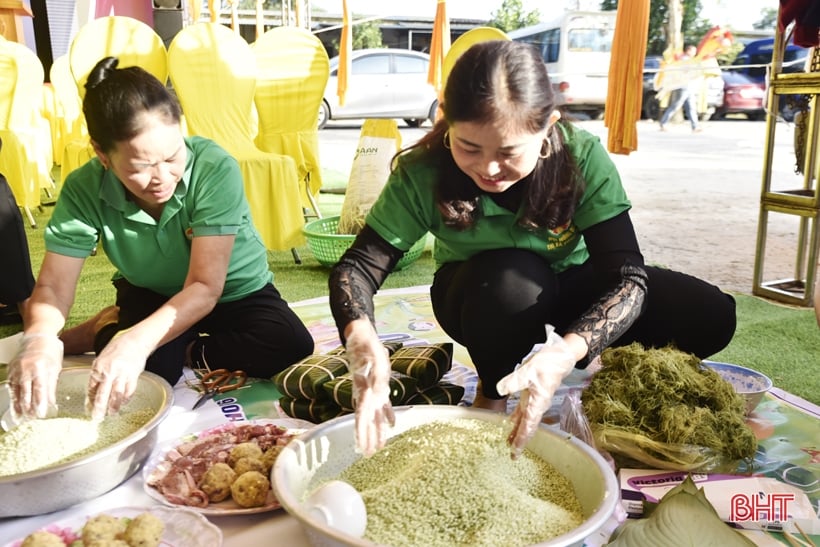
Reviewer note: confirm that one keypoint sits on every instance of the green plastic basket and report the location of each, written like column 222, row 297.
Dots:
column 328, row 246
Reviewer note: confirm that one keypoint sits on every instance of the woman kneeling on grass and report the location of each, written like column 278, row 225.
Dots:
column 532, row 228
column 193, row 283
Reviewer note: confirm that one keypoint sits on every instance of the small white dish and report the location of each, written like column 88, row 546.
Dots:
column 183, row 527
column 222, row 508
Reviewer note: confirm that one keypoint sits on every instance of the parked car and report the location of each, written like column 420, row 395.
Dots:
column 650, row 107
column 752, row 60
column 383, row 83
column 741, row 95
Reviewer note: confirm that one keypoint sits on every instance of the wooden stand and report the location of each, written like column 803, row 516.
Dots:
column 11, row 19
column 801, row 202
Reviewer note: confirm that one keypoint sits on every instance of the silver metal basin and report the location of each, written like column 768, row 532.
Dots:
column 60, row 486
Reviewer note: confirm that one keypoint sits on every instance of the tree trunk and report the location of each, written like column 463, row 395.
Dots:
column 674, row 24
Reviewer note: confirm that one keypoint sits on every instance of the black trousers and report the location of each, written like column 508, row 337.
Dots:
column 497, row 303
column 259, row 334
column 16, row 277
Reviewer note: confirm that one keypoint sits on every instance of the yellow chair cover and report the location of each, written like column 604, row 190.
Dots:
column 75, row 148
column 463, row 43
column 292, row 72
column 130, row 40
column 26, row 157
column 29, row 106
column 213, row 71
column 52, row 112
column 458, row 47
column 16, row 166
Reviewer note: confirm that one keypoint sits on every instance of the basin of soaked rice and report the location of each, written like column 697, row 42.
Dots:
column 47, row 465
column 458, row 457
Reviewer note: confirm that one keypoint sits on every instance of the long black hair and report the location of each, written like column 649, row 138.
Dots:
column 503, row 81
column 115, row 98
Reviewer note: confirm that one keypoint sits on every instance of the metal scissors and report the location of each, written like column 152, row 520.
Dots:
column 220, row 381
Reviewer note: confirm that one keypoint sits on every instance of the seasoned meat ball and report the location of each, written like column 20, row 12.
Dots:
column 216, row 482
column 250, row 489
column 244, row 450
column 42, row 539
column 102, row 528
column 243, row 465
column 269, row 457
column 145, row 530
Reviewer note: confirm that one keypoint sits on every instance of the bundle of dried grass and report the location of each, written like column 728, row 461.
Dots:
column 662, row 408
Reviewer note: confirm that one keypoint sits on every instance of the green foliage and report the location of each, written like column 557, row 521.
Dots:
column 511, row 16
column 767, row 21
column 692, row 27
column 367, row 35
column 728, row 57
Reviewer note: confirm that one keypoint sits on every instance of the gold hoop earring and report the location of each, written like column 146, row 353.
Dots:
column 446, row 139
column 546, row 148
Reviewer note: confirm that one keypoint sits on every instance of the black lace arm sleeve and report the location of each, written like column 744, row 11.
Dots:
column 618, row 262
column 358, row 275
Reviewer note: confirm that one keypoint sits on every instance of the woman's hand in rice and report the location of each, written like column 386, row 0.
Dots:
column 33, row 374
column 370, row 366
column 114, row 375
column 537, row 379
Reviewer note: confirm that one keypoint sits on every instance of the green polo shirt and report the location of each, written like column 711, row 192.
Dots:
column 406, row 210
column 209, row 200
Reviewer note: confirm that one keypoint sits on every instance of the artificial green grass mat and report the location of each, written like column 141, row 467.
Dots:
column 781, row 341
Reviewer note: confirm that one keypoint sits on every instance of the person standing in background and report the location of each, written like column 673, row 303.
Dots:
column 686, row 94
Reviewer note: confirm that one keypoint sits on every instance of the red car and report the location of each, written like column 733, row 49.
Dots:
column 741, row 95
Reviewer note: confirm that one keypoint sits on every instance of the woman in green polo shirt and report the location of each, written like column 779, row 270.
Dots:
column 193, row 283
column 532, row 228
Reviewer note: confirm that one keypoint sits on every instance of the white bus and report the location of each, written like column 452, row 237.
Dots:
column 576, row 48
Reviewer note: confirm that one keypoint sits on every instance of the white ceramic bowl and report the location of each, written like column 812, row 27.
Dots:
column 750, row 384
column 326, row 450
column 60, row 486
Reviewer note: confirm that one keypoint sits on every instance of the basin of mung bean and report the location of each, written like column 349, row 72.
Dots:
column 446, row 478
column 36, row 444
column 50, row 464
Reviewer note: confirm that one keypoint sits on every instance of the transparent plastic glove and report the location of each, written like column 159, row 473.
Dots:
column 33, row 374
column 114, row 375
column 370, row 367
column 537, row 379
